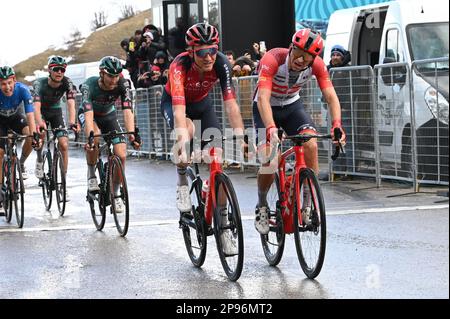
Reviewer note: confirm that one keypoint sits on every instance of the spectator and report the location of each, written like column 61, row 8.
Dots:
column 243, row 66
column 230, row 56
column 151, row 78
column 137, row 40
column 161, row 61
column 176, row 36
column 341, row 82
column 128, row 45
column 255, row 53
column 339, row 57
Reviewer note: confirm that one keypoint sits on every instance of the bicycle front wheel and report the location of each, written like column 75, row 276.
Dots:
column 309, row 223
column 193, row 224
column 228, row 228
column 46, row 182
column 59, row 181
column 120, row 205
column 273, row 242
column 17, row 190
column 98, row 215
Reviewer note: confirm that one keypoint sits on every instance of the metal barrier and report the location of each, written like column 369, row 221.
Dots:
column 430, row 108
column 354, row 87
column 395, row 119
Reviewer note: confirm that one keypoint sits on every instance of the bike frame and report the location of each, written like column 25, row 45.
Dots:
column 287, row 205
column 215, row 167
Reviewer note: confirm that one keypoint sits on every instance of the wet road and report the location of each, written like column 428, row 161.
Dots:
column 378, row 245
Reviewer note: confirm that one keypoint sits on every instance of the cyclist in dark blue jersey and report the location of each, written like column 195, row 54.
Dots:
column 12, row 95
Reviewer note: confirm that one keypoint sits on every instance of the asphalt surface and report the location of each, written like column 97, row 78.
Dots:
column 381, row 243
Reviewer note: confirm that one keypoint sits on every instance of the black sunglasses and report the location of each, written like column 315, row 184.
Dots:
column 203, row 52
column 58, row 68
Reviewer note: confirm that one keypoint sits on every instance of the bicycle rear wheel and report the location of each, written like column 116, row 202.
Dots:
column 17, row 189
column 59, row 182
column 6, row 195
column 273, row 242
column 228, row 227
column 117, row 176
column 309, row 223
column 193, row 224
column 47, row 181
column 99, row 214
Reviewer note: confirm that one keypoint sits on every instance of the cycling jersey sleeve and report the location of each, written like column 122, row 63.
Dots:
column 27, row 100
column 86, row 101
column 224, row 72
column 319, row 69
column 37, row 91
column 125, row 95
column 268, row 67
column 70, row 93
column 177, row 76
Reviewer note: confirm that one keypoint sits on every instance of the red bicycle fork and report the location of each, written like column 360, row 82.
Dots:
column 214, row 168
column 287, row 187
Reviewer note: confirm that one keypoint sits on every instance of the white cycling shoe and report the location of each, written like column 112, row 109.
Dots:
column 184, row 204
column 262, row 220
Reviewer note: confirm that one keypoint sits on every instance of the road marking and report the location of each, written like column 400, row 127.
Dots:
column 175, row 221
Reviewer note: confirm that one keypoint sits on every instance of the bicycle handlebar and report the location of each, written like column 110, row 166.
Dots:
column 303, row 138
column 113, row 134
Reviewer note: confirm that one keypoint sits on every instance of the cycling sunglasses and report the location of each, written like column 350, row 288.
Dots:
column 58, row 68
column 201, row 53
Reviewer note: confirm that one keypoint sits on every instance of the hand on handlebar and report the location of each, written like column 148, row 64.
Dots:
column 338, row 138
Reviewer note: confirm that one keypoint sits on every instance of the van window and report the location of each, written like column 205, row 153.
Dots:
column 394, row 48
column 428, row 40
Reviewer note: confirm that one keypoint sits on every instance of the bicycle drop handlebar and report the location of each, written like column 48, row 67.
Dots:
column 303, row 138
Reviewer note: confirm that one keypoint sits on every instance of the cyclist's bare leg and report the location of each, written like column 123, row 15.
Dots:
column 120, row 150
column 266, row 174
column 26, row 148
column 63, row 145
column 91, row 156
column 311, row 155
column 181, row 167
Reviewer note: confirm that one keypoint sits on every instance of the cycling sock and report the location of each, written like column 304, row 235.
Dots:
column 116, row 190
column 182, row 178
column 262, row 198
column 91, row 171
column 39, row 155
column 224, row 214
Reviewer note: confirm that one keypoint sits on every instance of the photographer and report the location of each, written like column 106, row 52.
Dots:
column 151, row 78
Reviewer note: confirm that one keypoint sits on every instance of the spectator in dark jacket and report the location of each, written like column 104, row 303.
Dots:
column 341, row 82
column 161, row 61
column 339, row 57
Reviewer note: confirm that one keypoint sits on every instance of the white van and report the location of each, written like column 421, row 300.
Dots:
column 402, row 31
column 79, row 73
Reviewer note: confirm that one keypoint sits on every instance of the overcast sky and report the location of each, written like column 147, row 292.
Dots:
column 29, row 27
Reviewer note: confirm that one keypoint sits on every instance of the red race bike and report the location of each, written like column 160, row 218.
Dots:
column 215, row 211
column 296, row 206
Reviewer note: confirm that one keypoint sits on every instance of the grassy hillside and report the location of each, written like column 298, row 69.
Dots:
column 100, row 43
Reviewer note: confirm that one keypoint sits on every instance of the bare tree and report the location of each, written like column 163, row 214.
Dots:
column 99, row 20
column 127, row 12
column 75, row 41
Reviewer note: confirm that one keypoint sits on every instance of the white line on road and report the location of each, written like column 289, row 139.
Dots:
column 175, row 221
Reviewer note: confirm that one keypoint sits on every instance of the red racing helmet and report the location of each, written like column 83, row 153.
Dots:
column 309, row 41
column 202, row 33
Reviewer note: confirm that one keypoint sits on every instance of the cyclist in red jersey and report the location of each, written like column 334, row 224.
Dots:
column 192, row 75
column 277, row 104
